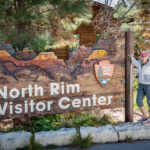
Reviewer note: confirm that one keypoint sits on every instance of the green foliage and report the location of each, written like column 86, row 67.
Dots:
column 135, row 85
column 21, row 41
column 39, row 44
column 82, row 143
column 22, row 22
column 46, row 123
column 55, row 122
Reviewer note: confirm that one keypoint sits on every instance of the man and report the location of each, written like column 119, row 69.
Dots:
column 143, row 66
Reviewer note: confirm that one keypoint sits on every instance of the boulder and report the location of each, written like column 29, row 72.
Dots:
column 46, row 56
column 102, row 134
column 14, row 140
column 25, row 55
column 8, row 48
column 136, row 131
column 60, row 137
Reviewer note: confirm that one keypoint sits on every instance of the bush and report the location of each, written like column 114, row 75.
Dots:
column 39, row 44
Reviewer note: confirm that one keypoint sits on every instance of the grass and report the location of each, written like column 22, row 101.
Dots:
column 129, row 139
column 82, row 143
column 33, row 145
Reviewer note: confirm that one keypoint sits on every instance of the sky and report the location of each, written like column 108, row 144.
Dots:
column 114, row 2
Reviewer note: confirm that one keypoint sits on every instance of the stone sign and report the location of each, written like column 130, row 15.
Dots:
column 91, row 78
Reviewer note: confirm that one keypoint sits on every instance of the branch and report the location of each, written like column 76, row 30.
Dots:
column 128, row 9
column 47, row 11
column 110, row 3
column 115, row 10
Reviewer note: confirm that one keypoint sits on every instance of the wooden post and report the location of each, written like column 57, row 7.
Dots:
column 129, row 47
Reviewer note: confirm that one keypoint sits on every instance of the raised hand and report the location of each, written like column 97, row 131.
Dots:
column 131, row 54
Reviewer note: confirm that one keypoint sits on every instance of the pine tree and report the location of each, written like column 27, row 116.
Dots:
column 23, row 21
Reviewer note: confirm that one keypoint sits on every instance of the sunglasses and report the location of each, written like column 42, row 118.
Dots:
column 144, row 56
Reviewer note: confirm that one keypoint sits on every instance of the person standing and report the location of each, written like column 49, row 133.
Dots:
column 143, row 66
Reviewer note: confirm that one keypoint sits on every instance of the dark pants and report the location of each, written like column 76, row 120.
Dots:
column 143, row 90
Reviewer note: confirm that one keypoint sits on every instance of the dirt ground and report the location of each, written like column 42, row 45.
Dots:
column 118, row 114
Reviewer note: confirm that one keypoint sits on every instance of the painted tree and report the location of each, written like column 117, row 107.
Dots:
column 25, row 22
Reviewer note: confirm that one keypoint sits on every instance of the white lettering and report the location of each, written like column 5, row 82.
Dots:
column 3, row 110
column 26, row 106
column 49, row 105
column 72, row 87
column 23, row 92
column 109, row 99
column 11, row 107
column 86, row 100
column 61, row 103
column 54, row 88
column 30, row 88
column 4, row 93
column 76, row 103
column 32, row 105
column 14, row 93
column 42, row 105
column 102, row 100
column 36, row 90
column 94, row 100
column 18, row 108
column 62, row 88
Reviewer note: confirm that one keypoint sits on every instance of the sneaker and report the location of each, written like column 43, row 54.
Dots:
column 142, row 119
column 146, row 122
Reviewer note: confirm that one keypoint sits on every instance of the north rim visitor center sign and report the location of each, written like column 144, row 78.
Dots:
column 92, row 77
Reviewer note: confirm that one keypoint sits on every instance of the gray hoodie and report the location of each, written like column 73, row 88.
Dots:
column 143, row 71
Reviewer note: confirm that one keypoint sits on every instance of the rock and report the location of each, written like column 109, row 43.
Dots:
column 14, row 140
column 25, row 55
column 136, row 131
column 4, row 53
column 96, row 54
column 60, row 137
column 102, row 134
column 79, row 54
column 8, row 48
column 77, row 57
column 46, row 55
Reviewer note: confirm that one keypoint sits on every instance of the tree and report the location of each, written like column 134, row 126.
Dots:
column 109, row 20
column 131, row 15
column 143, row 20
column 24, row 21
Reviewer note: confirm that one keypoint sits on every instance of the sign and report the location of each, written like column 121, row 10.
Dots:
column 89, row 79
column 104, row 72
